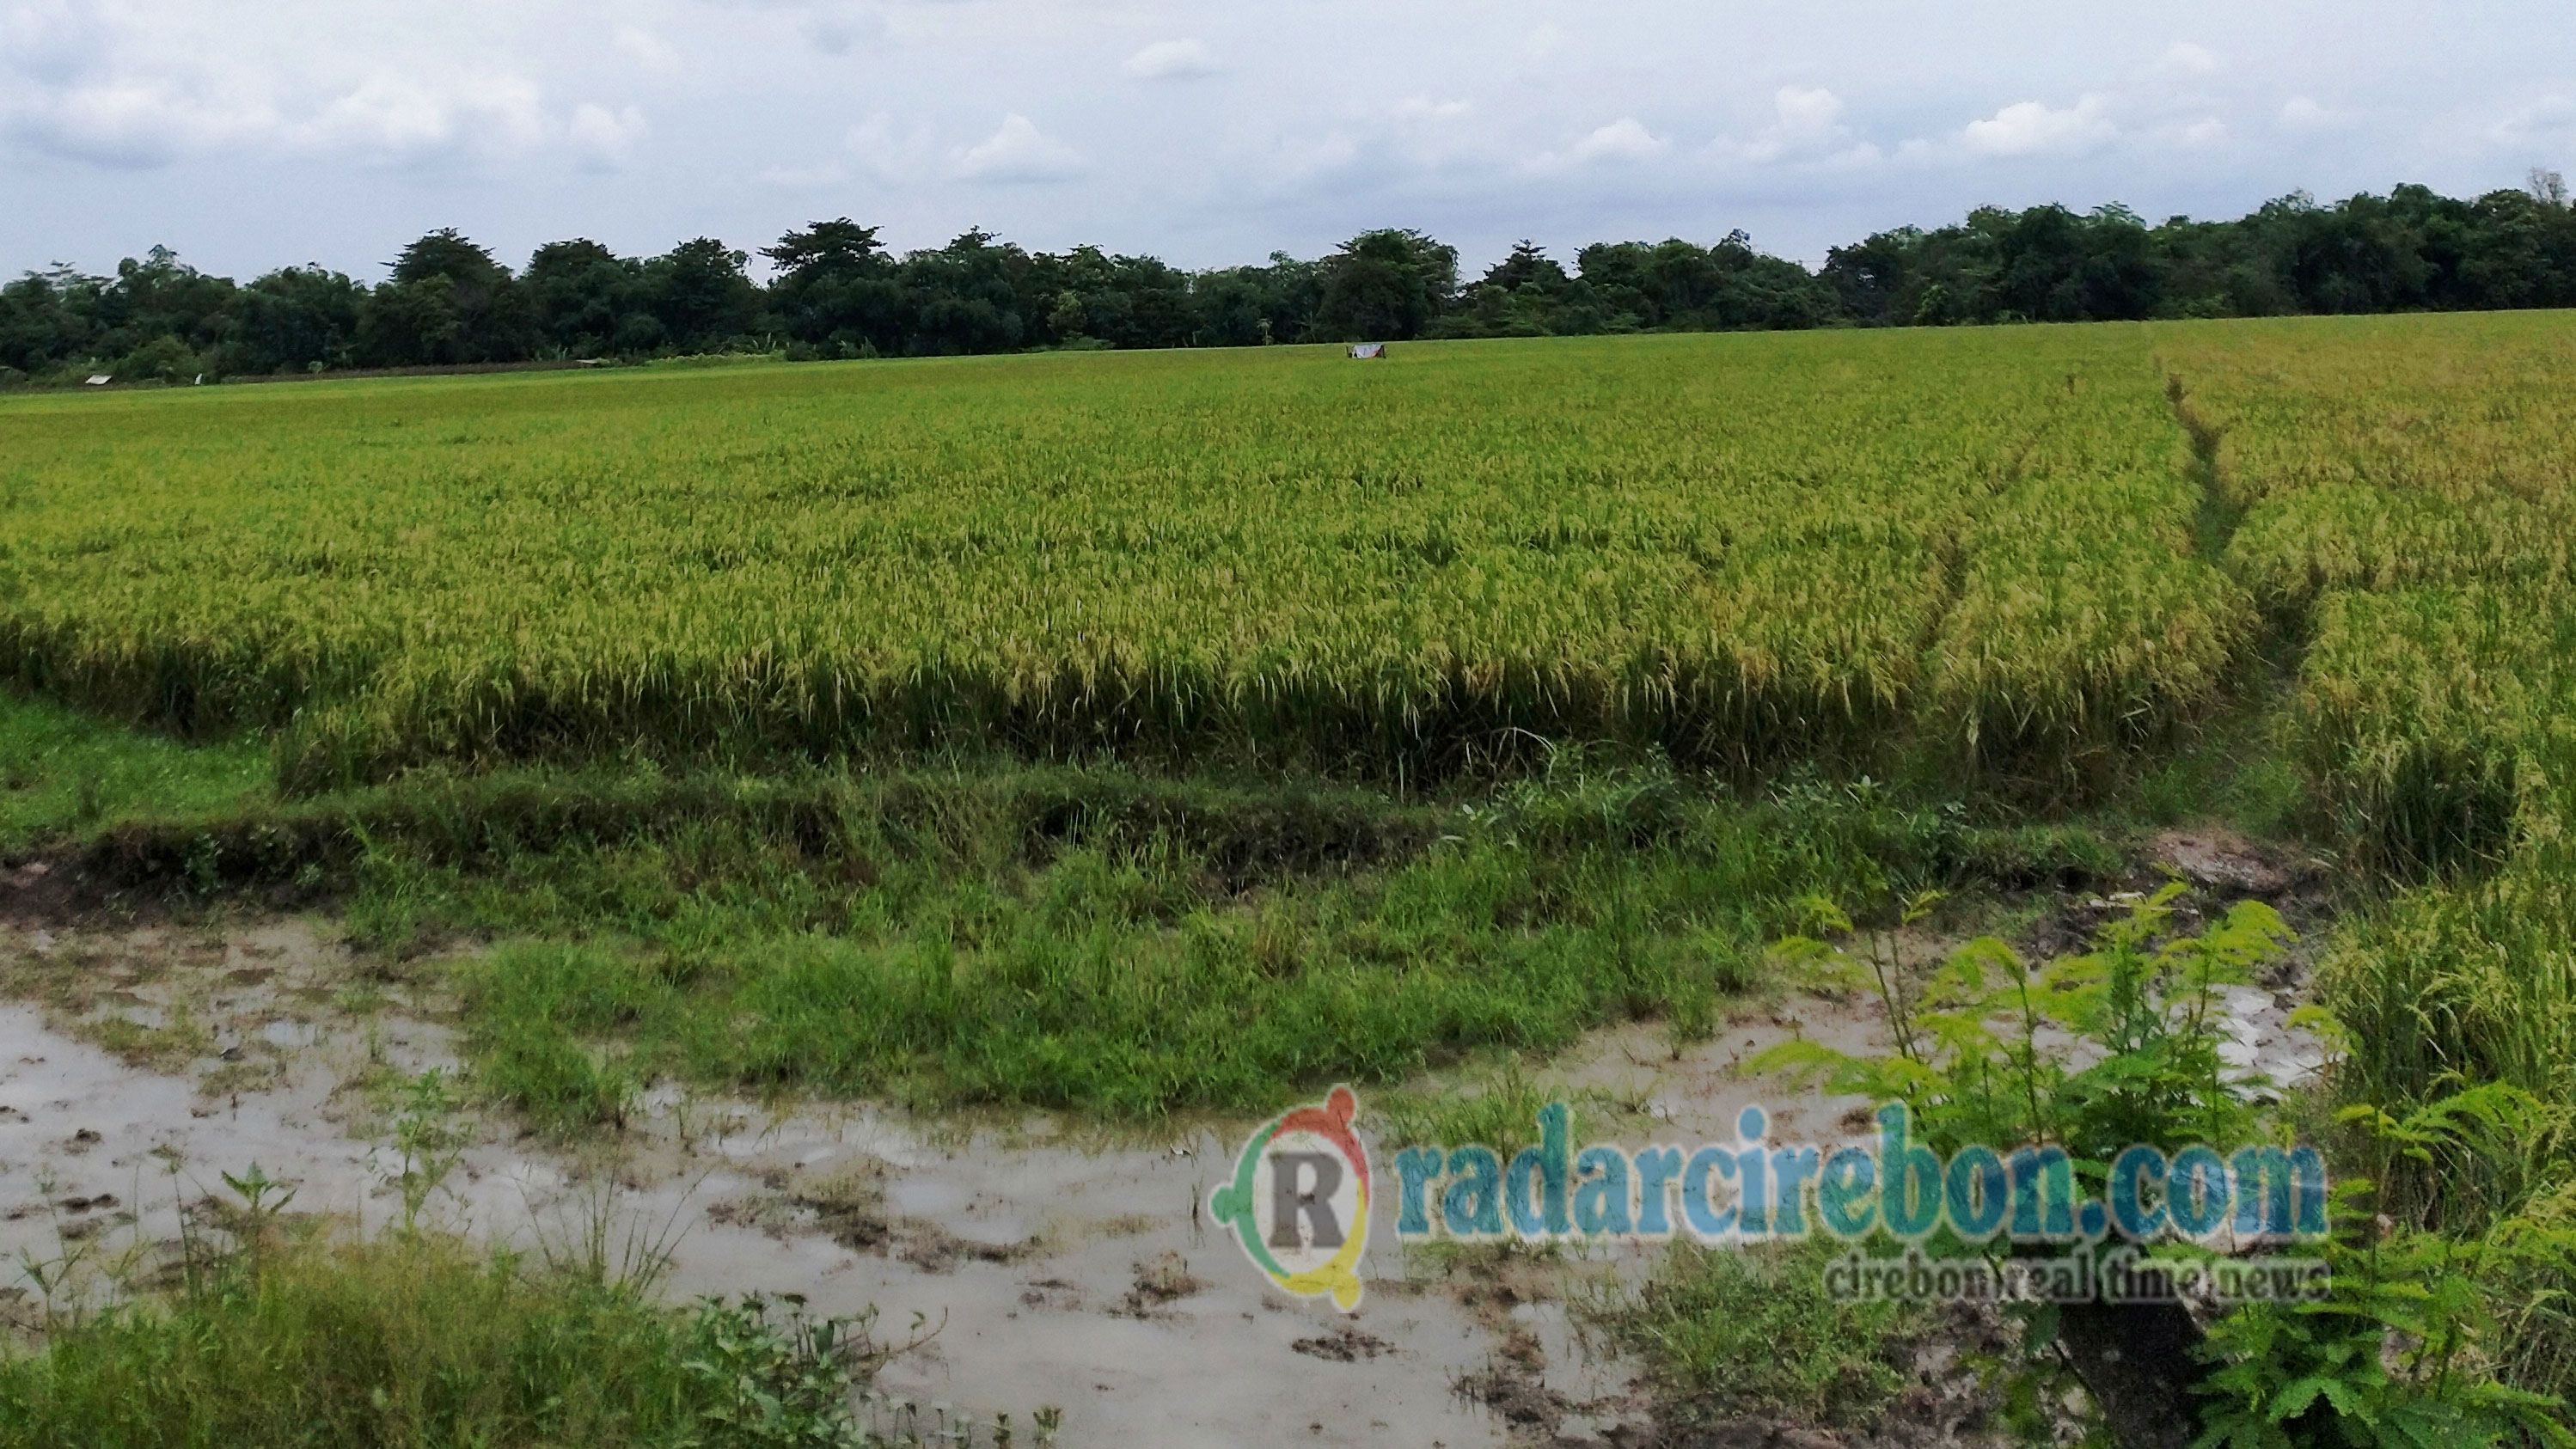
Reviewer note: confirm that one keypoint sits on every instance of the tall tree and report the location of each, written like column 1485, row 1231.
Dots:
column 702, row 295
column 294, row 319
column 836, row 290
column 586, row 301
column 1385, row 285
column 448, row 301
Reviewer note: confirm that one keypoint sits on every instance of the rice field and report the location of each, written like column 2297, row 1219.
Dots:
column 2007, row 555
column 2405, row 510
column 1731, row 548
column 1996, row 548
column 2406, row 513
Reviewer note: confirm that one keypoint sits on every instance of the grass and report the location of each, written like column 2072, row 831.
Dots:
column 1497, row 1108
column 417, row 1340
column 1729, row 1333
column 1131, row 977
column 63, row 771
column 1082, row 937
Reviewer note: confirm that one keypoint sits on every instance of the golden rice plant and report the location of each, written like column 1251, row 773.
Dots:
column 1726, row 546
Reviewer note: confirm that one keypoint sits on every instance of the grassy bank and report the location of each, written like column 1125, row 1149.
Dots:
column 295, row 1340
column 1093, row 938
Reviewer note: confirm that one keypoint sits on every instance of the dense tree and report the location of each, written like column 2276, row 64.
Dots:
column 964, row 298
column 1249, row 306
column 837, row 291
column 1385, row 285
column 448, row 301
column 1679, row 286
column 1527, row 267
column 1526, row 294
column 161, row 297
column 701, row 296
column 47, row 319
column 586, row 301
column 295, row 319
column 1121, row 301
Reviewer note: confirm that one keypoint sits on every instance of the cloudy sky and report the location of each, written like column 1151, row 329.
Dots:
column 1215, row 131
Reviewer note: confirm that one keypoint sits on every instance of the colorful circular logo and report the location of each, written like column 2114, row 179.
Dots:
column 1299, row 1201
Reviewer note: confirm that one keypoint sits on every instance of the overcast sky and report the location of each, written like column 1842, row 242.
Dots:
column 1215, row 131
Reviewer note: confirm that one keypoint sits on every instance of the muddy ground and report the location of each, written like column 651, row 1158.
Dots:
column 1050, row 1263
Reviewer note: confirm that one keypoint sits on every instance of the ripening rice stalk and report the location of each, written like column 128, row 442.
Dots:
column 1729, row 547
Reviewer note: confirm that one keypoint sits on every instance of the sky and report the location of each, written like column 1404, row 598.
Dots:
column 1214, row 132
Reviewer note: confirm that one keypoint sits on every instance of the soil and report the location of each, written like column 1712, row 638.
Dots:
column 1052, row 1264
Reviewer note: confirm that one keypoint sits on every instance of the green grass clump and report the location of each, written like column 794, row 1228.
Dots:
column 1108, row 983
column 1130, row 976
column 2457, row 985
column 64, row 772
column 1058, row 935
column 418, row 1340
column 1726, row 1333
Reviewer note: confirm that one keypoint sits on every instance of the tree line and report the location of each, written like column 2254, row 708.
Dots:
column 836, row 291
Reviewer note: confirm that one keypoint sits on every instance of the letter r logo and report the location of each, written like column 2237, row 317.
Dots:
column 1302, row 1185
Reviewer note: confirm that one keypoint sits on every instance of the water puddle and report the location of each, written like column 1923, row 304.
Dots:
column 140, row 1065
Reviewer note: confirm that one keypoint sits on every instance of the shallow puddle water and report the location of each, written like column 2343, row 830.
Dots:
column 1041, row 1269
column 1041, row 1263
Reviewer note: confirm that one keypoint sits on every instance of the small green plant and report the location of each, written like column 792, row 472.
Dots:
column 782, row 1380
column 1972, row 1059
column 428, row 1141
column 290, row 1336
column 254, row 1188
column 1975, row 1059
column 205, row 865
column 2399, row 1353
column 52, row 1275
column 1501, row 1112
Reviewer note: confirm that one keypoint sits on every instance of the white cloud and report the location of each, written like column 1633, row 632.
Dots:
column 876, row 149
column 2302, row 113
column 1425, row 109
column 606, row 139
column 820, row 177
column 1017, row 152
column 838, row 29
column 879, row 151
column 1539, row 48
column 2547, row 122
column 1805, row 124
column 1623, row 141
column 139, row 122
column 1171, row 60
column 2033, row 129
column 2190, row 59
column 392, row 116
column 290, row 129
column 1375, row 145
column 647, row 50
column 153, row 84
